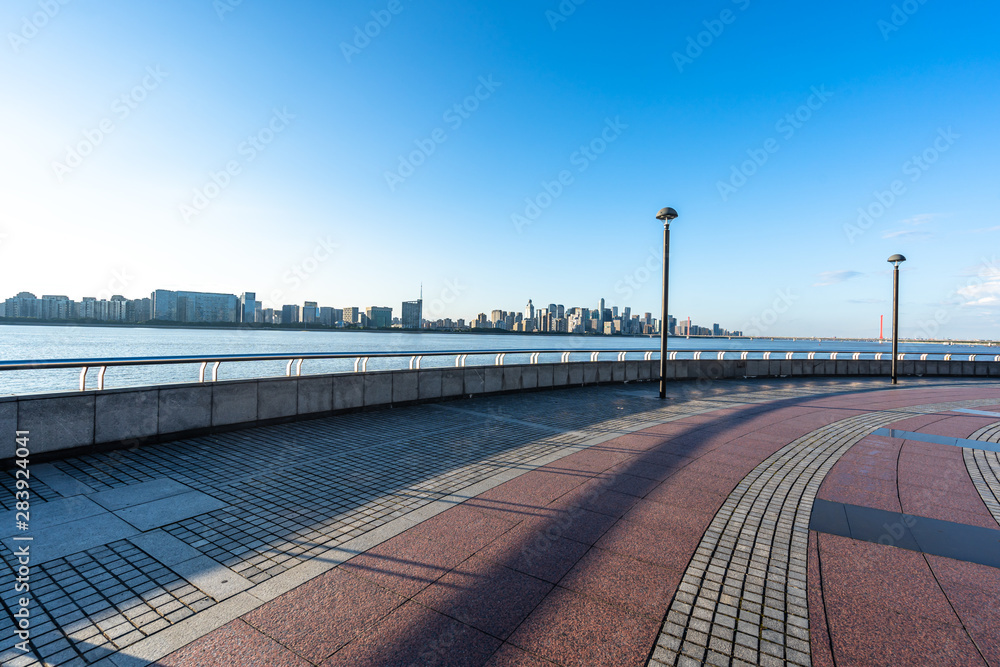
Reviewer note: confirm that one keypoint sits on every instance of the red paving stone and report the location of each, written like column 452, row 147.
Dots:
column 417, row 635
column 233, row 644
column 577, row 631
column 486, row 595
column 974, row 591
column 576, row 563
column 321, row 616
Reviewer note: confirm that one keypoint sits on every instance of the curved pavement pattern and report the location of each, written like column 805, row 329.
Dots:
column 744, row 596
column 984, row 468
column 593, row 526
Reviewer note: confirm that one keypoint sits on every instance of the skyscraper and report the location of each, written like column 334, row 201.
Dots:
column 413, row 313
column 310, row 312
column 248, row 306
column 529, row 311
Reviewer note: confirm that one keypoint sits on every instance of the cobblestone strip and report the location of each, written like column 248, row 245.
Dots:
column 984, row 468
column 742, row 599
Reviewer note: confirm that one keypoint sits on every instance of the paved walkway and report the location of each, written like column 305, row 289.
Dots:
column 788, row 522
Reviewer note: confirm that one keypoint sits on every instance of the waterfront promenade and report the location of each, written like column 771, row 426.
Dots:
column 738, row 522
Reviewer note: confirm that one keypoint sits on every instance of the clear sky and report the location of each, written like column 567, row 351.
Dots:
column 503, row 151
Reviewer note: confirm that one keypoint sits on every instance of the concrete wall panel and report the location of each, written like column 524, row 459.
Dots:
column 277, row 398
column 348, row 392
column 234, row 403
column 315, row 394
column 126, row 415
column 57, row 423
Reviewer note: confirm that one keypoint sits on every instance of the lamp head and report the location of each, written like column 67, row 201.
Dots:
column 666, row 214
column 896, row 259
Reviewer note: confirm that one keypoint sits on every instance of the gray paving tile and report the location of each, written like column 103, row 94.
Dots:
column 211, row 577
column 165, row 511
column 138, row 494
column 164, row 547
column 80, row 535
column 53, row 513
column 58, row 481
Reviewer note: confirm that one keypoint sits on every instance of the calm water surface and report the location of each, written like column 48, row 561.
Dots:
column 66, row 342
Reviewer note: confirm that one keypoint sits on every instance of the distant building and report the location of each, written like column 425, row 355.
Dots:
column 248, row 308
column 207, row 307
column 352, row 315
column 413, row 314
column 379, row 317
column 310, row 312
column 291, row 314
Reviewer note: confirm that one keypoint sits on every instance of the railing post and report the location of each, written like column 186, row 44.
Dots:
column 215, row 371
column 201, row 371
column 83, row 378
column 100, row 377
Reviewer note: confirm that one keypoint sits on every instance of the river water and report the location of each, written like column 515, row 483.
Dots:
column 73, row 342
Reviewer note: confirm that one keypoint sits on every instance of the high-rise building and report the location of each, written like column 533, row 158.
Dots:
column 379, row 317
column 248, row 307
column 291, row 314
column 310, row 312
column 194, row 306
column 413, row 314
column 352, row 316
column 529, row 311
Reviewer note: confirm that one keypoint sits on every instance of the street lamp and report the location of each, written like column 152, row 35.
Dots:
column 895, row 260
column 666, row 215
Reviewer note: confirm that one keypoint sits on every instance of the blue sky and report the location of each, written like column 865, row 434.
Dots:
column 268, row 147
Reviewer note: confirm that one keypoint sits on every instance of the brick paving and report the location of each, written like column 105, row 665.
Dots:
column 984, row 468
column 584, row 526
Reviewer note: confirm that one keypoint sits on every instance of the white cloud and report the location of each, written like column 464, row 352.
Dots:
column 908, row 234
column 834, row 277
column 984, row 288
column 921, row 219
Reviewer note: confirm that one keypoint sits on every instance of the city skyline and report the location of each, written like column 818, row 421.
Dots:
column 221, row 308
column 487, row 152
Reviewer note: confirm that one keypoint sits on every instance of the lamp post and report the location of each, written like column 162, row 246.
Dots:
column 666, row 215
column 895, row 260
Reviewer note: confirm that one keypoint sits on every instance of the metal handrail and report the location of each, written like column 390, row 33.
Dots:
column 296, row 360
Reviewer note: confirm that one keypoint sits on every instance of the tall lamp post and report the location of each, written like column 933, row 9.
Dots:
column 895, row 260
column 666, row 215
